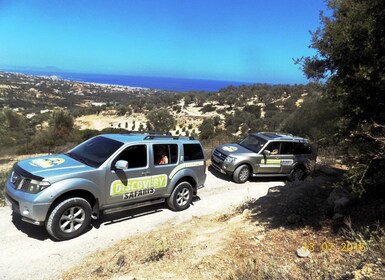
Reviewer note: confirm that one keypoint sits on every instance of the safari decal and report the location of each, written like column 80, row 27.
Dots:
column 185, row 165
column 229, row 148
column 136, row 187
column 46, row 162
column 287, row 162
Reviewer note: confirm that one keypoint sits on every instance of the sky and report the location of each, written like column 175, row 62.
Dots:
column 244, row 40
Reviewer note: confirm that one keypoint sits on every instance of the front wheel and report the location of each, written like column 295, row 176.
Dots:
column 69, row 219
column 181, row 197
column 241, row 174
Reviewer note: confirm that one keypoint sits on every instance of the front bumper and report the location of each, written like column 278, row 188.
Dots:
column 220, row 166
column 25, row 204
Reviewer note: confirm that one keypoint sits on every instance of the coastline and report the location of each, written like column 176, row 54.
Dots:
column 135, row 82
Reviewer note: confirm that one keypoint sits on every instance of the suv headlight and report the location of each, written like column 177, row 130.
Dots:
column 33, row 186
column 229, row 160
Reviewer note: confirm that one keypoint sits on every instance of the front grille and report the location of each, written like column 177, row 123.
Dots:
column 219, row 155
column 16, row 179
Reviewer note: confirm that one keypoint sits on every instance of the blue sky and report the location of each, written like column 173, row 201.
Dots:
column 244, row 40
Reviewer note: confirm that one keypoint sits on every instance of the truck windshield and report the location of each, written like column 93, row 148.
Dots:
column 253, row 143
column 95, row 151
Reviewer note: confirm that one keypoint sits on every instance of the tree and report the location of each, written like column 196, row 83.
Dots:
column 160, row 120
column 61, row 125
column 206, row 129
column 351, row 58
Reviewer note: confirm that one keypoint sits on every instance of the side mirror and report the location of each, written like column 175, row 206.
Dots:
column 266, row 152
column 121, row 164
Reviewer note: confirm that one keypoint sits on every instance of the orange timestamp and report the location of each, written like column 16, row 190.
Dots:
column 344, row 247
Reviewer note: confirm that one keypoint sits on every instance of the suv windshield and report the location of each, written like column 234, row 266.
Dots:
column 253, row 143
column 95, row 151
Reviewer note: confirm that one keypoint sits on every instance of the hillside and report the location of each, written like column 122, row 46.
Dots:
column 33, row 100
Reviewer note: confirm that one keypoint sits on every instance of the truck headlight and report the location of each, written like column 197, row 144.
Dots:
column 229, row 160
column 34, row 186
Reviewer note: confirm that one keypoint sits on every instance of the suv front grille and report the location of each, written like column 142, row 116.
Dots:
column 219, row 155
column 18, row 181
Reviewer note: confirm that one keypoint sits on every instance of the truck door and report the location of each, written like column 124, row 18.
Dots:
column 132, row 184
column 163, row 160
column 270, row 162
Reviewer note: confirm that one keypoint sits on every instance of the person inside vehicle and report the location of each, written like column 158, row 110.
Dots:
column 274, row 152
column 161, row 157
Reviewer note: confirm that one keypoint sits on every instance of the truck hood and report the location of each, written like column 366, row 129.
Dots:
column 53, row 165
column 228, row 149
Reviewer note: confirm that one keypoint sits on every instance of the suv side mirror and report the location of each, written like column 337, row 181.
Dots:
column 121, row 164
column 266, row 152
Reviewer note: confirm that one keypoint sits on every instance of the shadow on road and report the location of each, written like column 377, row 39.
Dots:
column 40, row 233
column 36, row 232
column 109, row 219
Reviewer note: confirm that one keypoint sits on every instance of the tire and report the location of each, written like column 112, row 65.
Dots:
column 241, row 174
column 297, row 174
column 69, row 219
column 181, row 197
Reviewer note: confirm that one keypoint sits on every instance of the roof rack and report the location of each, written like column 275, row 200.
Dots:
column 277, row 133
column 165, row 133
column 149, row 137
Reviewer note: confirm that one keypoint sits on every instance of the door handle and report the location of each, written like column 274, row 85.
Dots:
column 144, row 173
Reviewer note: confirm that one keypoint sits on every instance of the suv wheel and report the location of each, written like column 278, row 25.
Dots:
column 297, row 174
column 241, row 174
column 69, row 219
column 181, row 197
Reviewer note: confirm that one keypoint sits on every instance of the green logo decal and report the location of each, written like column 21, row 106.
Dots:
column 46, row 162
column 273, row 161
column 138, row 184
column 229, row 148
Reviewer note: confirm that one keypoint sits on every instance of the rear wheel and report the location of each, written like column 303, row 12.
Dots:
column 69, row 219
column 241, row 174
column 297, row 174
column 181, row 197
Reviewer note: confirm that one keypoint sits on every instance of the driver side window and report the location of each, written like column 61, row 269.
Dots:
column 136, row 156
column 273, row 147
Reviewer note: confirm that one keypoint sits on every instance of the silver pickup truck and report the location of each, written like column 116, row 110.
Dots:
column 107, row 173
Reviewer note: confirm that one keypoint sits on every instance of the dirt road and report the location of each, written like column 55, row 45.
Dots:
column 27, row 252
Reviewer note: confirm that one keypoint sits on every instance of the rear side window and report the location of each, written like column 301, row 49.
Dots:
column 302, row 148
column 192, row 152
column 165, row 154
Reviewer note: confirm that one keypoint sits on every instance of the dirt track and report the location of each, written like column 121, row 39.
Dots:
column 27, row 252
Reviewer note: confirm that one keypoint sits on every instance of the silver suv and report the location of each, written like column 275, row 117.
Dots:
column 107, row 173
column 265, row 154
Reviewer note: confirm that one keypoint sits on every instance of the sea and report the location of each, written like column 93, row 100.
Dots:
column 163, row 83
